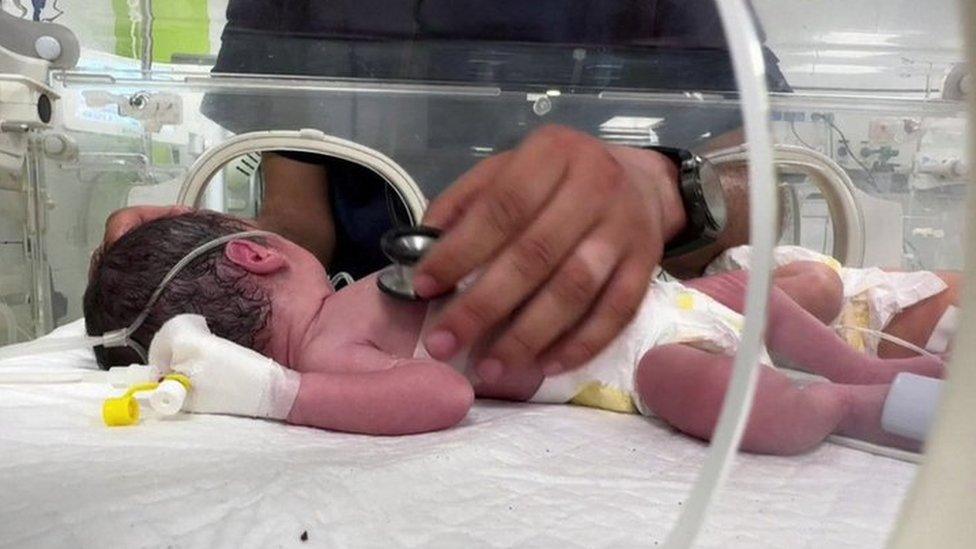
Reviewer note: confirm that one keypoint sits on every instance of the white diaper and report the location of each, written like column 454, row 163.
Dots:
column 670, row 313
column 871, row 296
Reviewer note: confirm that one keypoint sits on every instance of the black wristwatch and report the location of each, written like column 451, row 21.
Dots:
column 702, row 198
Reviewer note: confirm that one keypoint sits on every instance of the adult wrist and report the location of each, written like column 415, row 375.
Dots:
column 657, row 177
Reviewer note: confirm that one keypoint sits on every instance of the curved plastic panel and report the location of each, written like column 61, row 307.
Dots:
column 940, row 508
column 312, row 141
column 833, row 182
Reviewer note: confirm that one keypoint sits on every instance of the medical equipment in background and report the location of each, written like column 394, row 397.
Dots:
column 26, row 101
column 29, row 51
column 404, row 247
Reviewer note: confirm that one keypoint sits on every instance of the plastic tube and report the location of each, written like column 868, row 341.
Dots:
column 890, row 338
column 750, row 74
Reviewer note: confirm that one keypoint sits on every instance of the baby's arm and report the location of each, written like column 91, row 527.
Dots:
column 410, row 396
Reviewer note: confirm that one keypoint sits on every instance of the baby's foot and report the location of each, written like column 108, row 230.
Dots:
column 862, row 419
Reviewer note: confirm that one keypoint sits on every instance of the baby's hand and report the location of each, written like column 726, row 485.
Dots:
column 226, row 378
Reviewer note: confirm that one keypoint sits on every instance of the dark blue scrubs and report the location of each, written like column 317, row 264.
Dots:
column 574, row 45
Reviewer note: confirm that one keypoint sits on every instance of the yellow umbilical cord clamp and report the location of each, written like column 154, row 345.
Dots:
column 125, row 410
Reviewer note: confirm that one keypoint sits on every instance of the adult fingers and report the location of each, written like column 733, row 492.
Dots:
column 615, row 309
column 524, row 266
column 563, row 301
column 126, row 219
column 504, row 207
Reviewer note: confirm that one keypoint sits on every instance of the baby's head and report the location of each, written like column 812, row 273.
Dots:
column 233, row 285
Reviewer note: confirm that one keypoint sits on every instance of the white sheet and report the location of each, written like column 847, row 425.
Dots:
column 511, row 475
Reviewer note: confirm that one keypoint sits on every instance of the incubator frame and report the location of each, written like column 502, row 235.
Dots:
column 939, row 510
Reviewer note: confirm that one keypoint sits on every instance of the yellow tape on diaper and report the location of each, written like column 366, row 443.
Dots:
column 685, row 301
column 858, row 314
column 833, row 264
column 597, row 395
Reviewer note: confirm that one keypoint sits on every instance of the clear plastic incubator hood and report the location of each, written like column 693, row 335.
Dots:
column 848, row 124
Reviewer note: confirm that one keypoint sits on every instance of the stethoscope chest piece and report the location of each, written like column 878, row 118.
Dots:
column 404, row 247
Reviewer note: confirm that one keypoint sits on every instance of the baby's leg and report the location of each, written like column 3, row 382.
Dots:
column 685, row 387
column 916, row 323
column 798, row 336
column 812, row 285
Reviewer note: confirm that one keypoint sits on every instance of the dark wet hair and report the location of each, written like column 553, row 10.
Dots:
column 125, row 274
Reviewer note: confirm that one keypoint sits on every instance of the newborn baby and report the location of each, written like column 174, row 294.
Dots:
column 357, row 364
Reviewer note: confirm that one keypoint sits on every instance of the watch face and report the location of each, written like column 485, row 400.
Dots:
column 711, row 187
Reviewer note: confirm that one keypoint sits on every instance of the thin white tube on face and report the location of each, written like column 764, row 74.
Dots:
column 750, row 74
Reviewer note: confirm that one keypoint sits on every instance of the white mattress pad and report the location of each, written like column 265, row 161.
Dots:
column 510, row 475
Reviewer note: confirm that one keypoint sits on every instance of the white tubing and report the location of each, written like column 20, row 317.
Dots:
column 878, row 450
column 750, row 75
column 890, row 338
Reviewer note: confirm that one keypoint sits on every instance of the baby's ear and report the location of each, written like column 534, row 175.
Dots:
column 253, row 257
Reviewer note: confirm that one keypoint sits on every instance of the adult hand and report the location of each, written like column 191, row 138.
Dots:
column 126, row 219
column 566, row 231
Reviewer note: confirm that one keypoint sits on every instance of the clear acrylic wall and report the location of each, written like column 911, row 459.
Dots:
column 872, row 85
column 862, row 83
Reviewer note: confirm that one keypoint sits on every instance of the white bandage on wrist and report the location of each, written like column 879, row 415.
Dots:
column 281, row 393
column 225, row 378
